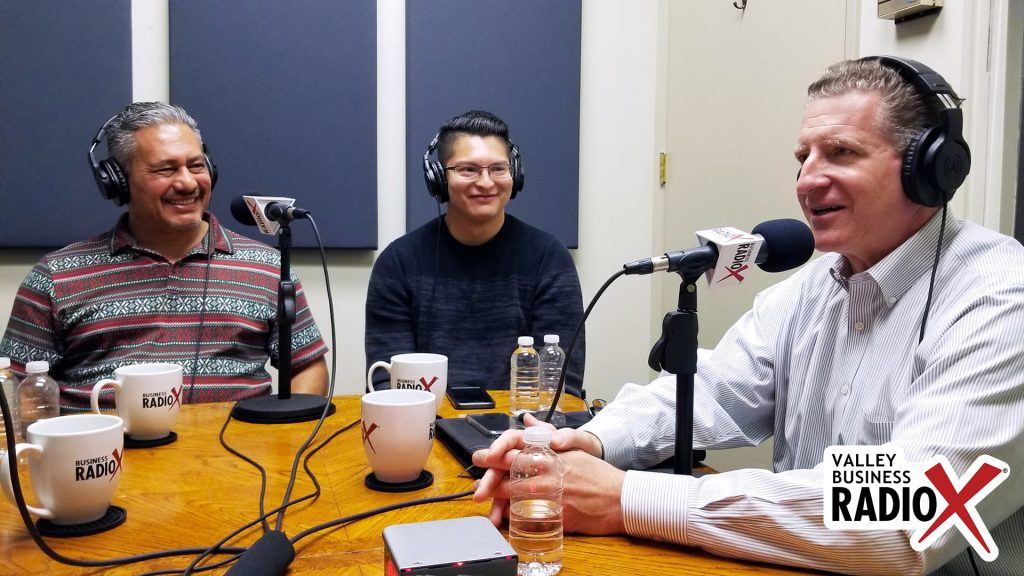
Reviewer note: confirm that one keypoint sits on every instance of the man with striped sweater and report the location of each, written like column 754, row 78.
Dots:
column 168, row 283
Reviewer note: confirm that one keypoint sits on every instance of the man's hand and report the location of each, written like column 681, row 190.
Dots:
column 591, row 487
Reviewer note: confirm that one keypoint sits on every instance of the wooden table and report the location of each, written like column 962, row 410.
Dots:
column 193, row 492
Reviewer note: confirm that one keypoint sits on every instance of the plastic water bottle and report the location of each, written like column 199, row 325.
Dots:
column 552, row 358
column 38, row 396
column 10, row 385
column 535, row 513
column 525, row 383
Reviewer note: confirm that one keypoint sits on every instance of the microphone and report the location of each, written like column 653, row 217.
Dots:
column 266, row 212
column 775, row 246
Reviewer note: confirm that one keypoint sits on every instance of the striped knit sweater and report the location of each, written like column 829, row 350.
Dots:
column 96, row 305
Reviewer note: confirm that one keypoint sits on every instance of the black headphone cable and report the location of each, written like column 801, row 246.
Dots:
column 202, row 309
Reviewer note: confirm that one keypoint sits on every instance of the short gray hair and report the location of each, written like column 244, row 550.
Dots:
column 904, row 113
column 121, row 130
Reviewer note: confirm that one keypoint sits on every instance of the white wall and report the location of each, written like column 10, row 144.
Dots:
column 617, row 168
column 975, row 46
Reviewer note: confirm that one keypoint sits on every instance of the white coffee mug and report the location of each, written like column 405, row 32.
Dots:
column 75, row 465
column 398, row 432
column 415, row 371
column 147, row 396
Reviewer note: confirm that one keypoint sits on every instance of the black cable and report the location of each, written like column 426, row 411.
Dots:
column 285, row 503
column 316, row 492
column 255, row 464
column 428, row 331
column 974, row 567
column 375, row 511
column 19, row 499
column 202, row 310
column 330, row 390
column 935, row 266
column 572, row 344
column 924, row 322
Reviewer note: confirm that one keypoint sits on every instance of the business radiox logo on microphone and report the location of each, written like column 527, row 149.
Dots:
column 874, row 488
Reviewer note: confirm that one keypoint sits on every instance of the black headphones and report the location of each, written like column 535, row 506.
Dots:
column 111, row 177
column 937, row 160
column 437, row 179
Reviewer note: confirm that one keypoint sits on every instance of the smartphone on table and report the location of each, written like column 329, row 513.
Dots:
column 469, row 397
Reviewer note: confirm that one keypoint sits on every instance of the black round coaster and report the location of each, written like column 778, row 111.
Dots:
column 130, row 442
column 114, row 517
column 425, row 479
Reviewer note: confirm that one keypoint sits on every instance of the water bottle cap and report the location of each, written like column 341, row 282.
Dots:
column 526, row 341
column 538, row 435
column 551, row 338
column 37, row 367
column 5, row 362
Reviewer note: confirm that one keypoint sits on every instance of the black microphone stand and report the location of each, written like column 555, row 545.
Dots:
column 676, row 352
column 283, row 407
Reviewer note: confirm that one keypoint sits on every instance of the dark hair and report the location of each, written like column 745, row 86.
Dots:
column 904, row 112
column 472, row 123
column 121, row 131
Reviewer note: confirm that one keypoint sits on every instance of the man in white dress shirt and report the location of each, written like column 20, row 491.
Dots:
column 841, row 353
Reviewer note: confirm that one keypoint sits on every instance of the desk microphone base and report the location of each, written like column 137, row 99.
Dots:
column 271, row 409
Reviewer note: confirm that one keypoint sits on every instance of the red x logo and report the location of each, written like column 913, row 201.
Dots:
column 426, row 385
column 366, row 434
column 956, row 502
column 176, row 392
column 735, row 273
column 117, row 457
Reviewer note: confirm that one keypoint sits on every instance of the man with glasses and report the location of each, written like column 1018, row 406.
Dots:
column 469, row 283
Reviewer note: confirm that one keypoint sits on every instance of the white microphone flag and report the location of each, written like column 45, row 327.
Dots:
column 737, row 252
column 257, row 206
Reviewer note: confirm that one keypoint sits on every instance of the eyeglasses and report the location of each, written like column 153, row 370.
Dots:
column 472, row 173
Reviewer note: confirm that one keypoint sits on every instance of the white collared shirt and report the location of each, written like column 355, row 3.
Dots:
column 828, row 358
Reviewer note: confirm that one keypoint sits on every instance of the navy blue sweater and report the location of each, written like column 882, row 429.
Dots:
column 474, row 302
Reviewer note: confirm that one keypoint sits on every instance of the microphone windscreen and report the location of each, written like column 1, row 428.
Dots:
column 240, row 210
column 270, row 555
column 789, row 243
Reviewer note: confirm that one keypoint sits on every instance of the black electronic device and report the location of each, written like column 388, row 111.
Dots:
column 469, row 397
column 469, row 546
column 112, row 178
column 437, row 179
column 491, row 424
column 937, row 160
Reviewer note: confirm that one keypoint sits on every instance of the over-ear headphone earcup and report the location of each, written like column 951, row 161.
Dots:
column 116, row 182
column 439, row 182
column 211, row 168
column 934, row 167
column 434, row 175
column 911, row 170
column 518, row 174
column 946, row 165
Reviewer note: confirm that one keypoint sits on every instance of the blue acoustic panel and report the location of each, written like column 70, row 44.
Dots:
column 65, row 67
column 285, row 94
column 519, row 59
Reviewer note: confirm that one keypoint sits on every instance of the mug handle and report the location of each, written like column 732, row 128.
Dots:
column 94, row 396
column 27, row 450
column 369, row 373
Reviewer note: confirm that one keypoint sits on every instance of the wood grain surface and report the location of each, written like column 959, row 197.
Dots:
column 192, row 493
